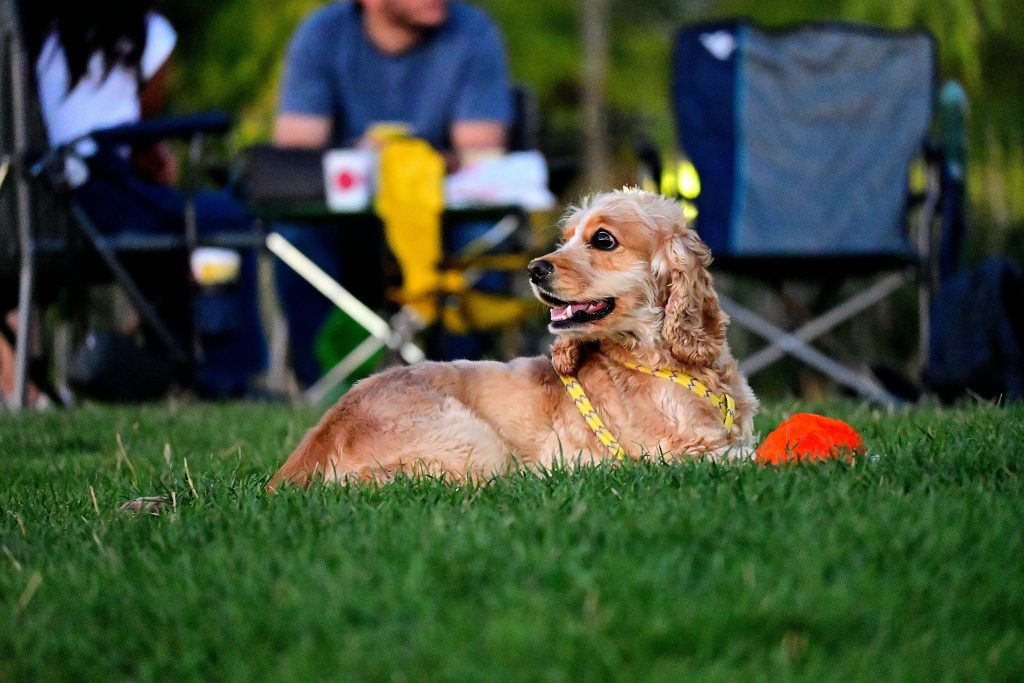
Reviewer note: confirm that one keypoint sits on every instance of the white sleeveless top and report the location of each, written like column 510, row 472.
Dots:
column 97, row 102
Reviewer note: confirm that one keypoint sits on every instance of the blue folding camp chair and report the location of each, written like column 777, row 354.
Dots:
column 803, row 140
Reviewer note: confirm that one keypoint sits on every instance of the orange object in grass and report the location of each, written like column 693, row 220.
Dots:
column 808, row 437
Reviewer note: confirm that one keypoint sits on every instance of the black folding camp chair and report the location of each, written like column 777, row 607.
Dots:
column 47, row 242
column 803, row 140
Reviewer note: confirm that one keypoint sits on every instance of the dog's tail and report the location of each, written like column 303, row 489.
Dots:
column 312, row 458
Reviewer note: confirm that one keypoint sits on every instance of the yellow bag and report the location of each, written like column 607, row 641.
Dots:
column 410, row 200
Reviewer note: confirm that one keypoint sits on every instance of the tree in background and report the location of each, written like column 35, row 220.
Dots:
column 596, row 158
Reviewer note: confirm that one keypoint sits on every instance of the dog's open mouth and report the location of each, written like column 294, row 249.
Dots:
column 565, row 313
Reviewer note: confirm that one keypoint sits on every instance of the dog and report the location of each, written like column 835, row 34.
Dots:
column 639, row 347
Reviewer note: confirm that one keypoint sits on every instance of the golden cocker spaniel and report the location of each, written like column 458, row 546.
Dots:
column 640, row 366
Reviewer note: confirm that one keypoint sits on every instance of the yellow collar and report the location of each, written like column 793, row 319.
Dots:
column 724, row 403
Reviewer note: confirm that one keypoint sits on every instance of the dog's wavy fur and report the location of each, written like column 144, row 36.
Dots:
column 479, row 419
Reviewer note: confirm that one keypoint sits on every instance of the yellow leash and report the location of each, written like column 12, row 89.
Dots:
column 723, row 402
column 589, row 413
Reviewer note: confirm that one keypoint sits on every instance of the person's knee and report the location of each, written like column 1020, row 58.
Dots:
column 220, row 212
column 304, row 237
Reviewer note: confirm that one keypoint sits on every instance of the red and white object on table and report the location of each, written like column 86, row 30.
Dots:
column 348, row 179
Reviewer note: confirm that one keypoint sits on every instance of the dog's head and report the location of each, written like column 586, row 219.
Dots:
column 630, row 271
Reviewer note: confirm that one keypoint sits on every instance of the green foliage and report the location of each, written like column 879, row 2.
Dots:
column 230, row 57
column 908, row 567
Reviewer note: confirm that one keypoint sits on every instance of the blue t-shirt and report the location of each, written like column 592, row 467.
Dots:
column 457, row 73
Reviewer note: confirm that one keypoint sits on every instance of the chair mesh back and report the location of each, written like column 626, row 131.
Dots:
column 802, row 138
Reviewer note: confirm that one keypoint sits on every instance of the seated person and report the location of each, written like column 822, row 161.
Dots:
column 104, row 63
column 434, row 65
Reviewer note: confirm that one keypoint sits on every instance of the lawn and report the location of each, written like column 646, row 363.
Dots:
column 909, row 566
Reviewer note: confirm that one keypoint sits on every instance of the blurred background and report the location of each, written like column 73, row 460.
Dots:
column 231, row 52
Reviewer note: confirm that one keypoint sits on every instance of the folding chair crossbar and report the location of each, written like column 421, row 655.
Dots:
column 403, row 324
column 379, row 329
column 799, row 348
column 124, row 279
column 485, row 242
column 820, row 325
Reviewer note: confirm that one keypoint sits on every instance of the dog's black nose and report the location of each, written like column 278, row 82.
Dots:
column 539, row 269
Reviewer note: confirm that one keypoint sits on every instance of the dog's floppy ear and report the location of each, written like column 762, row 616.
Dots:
column 694, row 327
column 565, row 355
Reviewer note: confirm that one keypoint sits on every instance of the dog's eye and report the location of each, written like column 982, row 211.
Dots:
column 603, row 240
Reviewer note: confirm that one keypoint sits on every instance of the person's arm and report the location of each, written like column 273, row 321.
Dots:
column 470, row 135
column 302, row 130
column 156, row 162
column 483, row 108
column 153, row 95
column 306, row 113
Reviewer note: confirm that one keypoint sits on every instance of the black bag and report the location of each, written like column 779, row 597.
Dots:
column 977, row 334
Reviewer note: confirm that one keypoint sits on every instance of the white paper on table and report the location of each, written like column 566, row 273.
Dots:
column 516, row 179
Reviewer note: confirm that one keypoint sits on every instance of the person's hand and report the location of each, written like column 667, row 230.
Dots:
column 470, row 156
column 156, row 163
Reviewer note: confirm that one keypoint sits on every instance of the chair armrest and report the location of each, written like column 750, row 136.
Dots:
column 154, row 130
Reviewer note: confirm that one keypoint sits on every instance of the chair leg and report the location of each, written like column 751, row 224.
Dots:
column 924, row 323
column 381, row 333
column 809, row 355
column 818, row 326
column 497, row 234
column 23, row 216
column 341, row 371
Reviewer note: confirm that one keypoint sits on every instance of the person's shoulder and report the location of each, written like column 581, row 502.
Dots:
column 158, row 25
column 469, row 18
column 160, row 41
column 331, row 18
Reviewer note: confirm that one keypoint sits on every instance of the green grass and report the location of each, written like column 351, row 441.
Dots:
column 909, row 567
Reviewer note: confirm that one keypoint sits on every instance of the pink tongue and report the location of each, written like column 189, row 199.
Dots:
column 566, row 312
